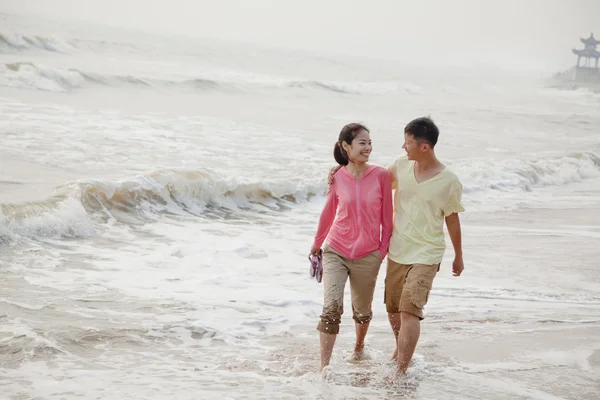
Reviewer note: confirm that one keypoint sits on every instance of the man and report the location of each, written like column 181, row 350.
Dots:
column 426, row 194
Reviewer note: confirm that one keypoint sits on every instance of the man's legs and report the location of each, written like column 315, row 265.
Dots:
column 408, row 338
column 394, row 282
column 407, row 292
column 395, row 323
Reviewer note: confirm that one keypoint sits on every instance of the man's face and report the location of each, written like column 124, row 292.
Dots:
column 414, row 149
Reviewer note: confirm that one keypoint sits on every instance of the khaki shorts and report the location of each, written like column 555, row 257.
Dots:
column 363, row 277
column 407, row 287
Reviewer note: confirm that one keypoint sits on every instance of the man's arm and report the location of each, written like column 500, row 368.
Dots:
column 392, row 170
column 453, row 224
column 332, row 172
column 387, row 217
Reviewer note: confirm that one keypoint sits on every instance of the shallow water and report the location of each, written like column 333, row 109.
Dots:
column 157, row 213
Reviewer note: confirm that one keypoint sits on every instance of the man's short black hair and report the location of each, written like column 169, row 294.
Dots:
column 423, row 129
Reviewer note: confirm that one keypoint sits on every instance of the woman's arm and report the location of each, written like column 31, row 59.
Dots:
column 326, row 219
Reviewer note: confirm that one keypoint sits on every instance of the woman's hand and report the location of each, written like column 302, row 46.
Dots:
column 315, row 251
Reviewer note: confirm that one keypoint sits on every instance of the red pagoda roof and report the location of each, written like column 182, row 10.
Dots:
column 591, row 40
column 587, row 53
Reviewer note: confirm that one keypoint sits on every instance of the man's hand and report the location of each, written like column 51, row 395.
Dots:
column 331, row 173
column 458, row 266
column 315, row 251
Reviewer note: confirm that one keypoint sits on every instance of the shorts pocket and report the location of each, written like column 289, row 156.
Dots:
column 421, row 295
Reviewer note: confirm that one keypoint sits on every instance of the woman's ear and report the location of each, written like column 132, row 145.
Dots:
column 345, row 146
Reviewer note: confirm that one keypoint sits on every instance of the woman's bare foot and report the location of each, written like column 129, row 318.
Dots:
column 358, row 356
column 326, row 373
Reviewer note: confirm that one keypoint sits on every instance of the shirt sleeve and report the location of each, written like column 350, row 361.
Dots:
column 387, row 215
column 327, row 217
column 453, row 204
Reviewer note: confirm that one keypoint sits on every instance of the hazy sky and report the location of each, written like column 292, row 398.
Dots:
column 532, row 33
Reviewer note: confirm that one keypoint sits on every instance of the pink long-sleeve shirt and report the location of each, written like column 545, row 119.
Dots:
column 364, row 211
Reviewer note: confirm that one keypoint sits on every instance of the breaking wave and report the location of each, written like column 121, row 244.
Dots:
column 526, row 175
column 26, row 75
column 33, row 76
column 518, row 295
column 76, row 208
column 22, row 42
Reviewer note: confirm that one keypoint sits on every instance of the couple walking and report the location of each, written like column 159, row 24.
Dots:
column 363, row 221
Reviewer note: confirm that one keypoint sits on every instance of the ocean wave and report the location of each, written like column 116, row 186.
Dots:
column 358, row 87
column 55, row 217
column 331, row 87
column 27, row 75
column 518, row 295
column 526, row 175
column 22, row 42
column 31, row 345
column 77, row 207
column 192, row 191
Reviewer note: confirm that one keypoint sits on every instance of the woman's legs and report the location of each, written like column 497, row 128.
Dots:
column 327, row 342
column 361, row 333
column 363, row 278
column 335, row 274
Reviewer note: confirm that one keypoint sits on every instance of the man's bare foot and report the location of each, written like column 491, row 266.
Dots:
column 394, row 359
column 393, row 378
column 399, row 373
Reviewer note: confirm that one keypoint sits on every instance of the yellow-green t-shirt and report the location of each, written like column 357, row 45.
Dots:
column 419, row 212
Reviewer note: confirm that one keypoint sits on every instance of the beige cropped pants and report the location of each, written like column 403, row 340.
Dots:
column 363, row 277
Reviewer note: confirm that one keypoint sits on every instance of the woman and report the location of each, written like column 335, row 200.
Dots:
column 357, row 240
